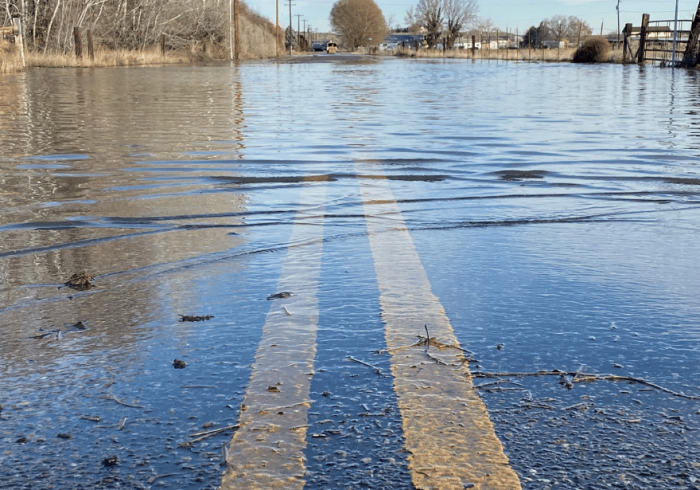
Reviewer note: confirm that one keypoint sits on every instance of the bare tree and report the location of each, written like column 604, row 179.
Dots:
column 130, row 24
column 578, row 29
column 558, row 26
column 412, row 21
column 458, row 14
column 429, row 14
column 358, row 21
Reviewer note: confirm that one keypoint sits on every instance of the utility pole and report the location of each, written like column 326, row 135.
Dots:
column 618, row 23
column 291, row 29
column 298, row 16
column 675, row 32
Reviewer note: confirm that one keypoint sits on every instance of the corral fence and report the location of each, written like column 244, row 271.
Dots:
column 664, row 42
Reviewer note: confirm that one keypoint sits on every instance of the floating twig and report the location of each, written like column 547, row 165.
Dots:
column 157, row 477
column 440, row 345
column 492, row 383
column 110, row 396
column 577, row 406
column 439, row 361
column 199, row 436
column 121, row 423
column 579, row 377
column 376, row 369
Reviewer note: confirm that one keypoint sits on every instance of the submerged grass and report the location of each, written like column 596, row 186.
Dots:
column 11, row 61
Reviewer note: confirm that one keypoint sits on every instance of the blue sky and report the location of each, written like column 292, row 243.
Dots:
column 504, row 14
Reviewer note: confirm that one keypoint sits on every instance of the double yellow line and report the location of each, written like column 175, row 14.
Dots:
column 447, row 430
column 267, row 451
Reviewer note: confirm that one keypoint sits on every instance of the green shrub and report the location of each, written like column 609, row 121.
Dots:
column 593, row 50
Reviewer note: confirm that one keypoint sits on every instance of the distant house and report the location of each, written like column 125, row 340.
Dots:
column 406, row 41
column 555, row 44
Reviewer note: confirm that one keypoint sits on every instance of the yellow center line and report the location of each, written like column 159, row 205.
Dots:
column 446, row 427
column 267, row 451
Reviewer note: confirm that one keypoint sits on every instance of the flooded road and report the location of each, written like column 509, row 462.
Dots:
column 448, row 234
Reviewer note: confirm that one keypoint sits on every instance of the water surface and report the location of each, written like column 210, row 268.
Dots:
column 554, row 207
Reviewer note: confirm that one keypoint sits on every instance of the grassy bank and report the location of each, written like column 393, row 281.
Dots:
column 549, row 55
column 12, row 62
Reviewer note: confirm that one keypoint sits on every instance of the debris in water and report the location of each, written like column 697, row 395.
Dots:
column 80, row 281
column 21, row 440
column 500, row 346
column 273, row 389
column 46, row 333
column 156, row 477
column 79, row 326
column 376, row 369
column 326, row 393
column 190, row 318
column 64, row 436
column 178, row 364
column 618, row 366
column 282, row 295
column 566, row 381
column 110, row 461
column 91, row 418
column 516, row 175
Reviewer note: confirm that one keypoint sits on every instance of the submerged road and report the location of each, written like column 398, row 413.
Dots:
column 447, row 431
column 355, row 273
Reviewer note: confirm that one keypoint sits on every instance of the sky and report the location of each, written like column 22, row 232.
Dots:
column 504, row 14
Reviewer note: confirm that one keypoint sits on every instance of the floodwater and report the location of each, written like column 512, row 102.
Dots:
column 539, row 216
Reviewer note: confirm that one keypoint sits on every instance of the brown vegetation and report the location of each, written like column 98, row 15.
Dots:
column 594, row 50
column 442, row 18
column 128, row 32
column 360, row 22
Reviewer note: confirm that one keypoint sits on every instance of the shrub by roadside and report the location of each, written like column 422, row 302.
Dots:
column 594, row 50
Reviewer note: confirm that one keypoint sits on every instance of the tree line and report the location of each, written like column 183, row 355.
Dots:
column 127, row 24
column 557, row 28
column 361, row 23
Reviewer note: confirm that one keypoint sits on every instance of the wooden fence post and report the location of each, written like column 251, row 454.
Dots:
column 17, row 27
column 204, row 44
column 237, row 32
column 162, row 44
column 78, row 43
column 473, row 46
column 643, row 39
column 91, row 46
column 692, row 49
column 627, row 32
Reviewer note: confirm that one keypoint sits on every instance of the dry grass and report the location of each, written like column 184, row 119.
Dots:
column 523, row 54
column 10, row 61
column 565, row 54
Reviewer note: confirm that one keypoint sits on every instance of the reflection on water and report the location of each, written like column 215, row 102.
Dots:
column 533, row 193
